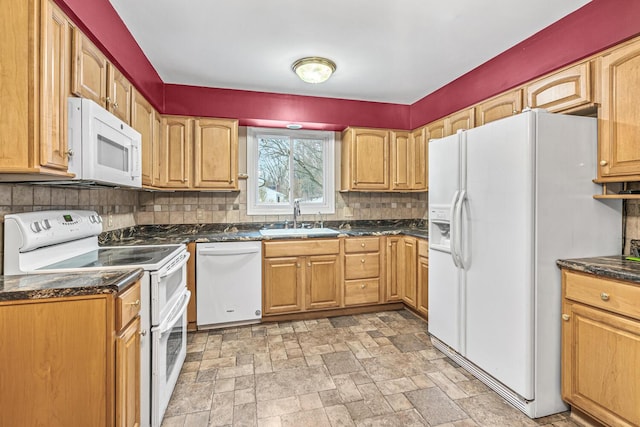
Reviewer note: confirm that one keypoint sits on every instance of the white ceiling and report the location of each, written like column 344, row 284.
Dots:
column 394, row 51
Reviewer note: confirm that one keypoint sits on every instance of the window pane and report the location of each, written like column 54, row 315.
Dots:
column 308, row 170
column 273, row 170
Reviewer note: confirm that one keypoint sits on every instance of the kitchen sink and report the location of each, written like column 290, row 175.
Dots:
column 299, row 232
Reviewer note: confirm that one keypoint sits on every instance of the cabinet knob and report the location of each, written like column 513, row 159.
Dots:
column 515, row 111
column 363, row 286
column 604, row 296
column 355, row 182
column 566, row 317
column 69, row 153
column 143, row 332
column 136, row 303
column 362, row 260
column 115, row 105
column 362, row 244
column 298, row 265
column 231, row 180
column 308, row 264
column 603, row 163
column 107, row 100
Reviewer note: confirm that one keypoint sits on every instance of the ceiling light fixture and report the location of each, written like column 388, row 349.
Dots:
column 294, row 126
column 314, row 69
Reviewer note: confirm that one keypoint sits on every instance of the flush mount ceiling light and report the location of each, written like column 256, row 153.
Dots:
column 314, row 69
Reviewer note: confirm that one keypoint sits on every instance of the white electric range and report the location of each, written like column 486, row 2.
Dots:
column 67, row 241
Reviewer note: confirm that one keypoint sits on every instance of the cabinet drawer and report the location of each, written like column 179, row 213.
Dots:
column 618, row 297
column 301, row 247
column 423, row 248
column 361, row 291
column 362, row 244
column 127, row 306
column 361, row 266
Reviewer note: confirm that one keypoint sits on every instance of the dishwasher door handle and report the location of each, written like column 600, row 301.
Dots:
column 227, row 252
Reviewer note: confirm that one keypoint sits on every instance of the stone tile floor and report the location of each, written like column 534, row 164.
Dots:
column 376, row 369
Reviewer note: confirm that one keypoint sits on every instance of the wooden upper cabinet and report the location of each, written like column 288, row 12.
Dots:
column 175, row 152
column 419, row 159
column 499, row 107
column 401, row 159
column 156, row 144
column 435, row 130
column 461, row 120
column 35, row 47
column 143, row 120
column 90, row 70
column 561, row 91
column 365, row 159
column 119, row 93
column 215, row 157
column 619, row 124
column 56, row 69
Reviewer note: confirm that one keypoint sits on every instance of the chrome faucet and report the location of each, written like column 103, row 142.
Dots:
column 296, row 212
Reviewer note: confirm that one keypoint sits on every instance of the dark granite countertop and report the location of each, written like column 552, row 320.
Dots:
column 614, row 267
column 203, row 233
column 53, row 285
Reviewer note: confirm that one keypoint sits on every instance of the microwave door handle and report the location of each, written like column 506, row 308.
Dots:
column 135, row 160
column 167, row 325
column 176, row 267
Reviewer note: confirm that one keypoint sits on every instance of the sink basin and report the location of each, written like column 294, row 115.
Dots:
column 299, row 232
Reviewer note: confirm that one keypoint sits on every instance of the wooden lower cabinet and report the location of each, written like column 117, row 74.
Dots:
column 362, row 270
column 408, row 264
column 393, row 288
column 422, row 301
column 68, row 364
column 601, row 348
column 301, row 275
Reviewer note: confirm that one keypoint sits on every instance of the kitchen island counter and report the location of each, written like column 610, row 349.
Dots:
column 55, row 285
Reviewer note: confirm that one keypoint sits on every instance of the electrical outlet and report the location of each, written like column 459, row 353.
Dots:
column 110, row 220
column 348, row 211
column 199, row 213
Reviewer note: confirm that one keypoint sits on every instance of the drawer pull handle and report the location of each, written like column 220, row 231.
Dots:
column 566, row 317
column 604, row 296
column 363, row 286
column 136, row 303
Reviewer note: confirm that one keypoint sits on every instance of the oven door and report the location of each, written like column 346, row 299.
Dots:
column 167, row 285
column 168, row 352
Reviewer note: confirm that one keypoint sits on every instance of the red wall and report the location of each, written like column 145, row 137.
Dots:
column 596, row 26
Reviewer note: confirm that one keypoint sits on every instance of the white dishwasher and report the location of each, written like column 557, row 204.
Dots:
column 228, row 283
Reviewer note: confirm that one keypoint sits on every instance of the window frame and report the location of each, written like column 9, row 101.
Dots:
column 328, row 184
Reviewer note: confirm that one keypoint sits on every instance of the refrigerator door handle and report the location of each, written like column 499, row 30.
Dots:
column 454, row 229
column 463, row 233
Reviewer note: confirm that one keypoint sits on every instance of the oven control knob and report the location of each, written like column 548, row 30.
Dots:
column 92, row 219
column 46, row 225
column 35, row 227
column 98, row 219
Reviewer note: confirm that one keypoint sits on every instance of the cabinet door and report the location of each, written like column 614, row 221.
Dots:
column 142, row 120
column 128, row 375
column 156, row 148
column 500, row 107
column 89, row 70
column 619, row 131
column 282, row 285
column 56, row 67
column 408, row 265
column 393, row 291
column 401, row 161
column 119, row 92
column 323, row 288
column 460, row 120
column 175, row 157
column 436, row 130
column 216, row 154
column 600, row 359
column 561, row 91
column 419, row 159
column 370, row 159
column 423, row 286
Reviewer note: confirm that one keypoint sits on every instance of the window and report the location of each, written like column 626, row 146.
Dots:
column 285, row 165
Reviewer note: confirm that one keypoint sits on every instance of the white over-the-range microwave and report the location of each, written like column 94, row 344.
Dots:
column 102, row 148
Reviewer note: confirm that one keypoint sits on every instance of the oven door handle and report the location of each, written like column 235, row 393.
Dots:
column 176, row 314
column 177, row 266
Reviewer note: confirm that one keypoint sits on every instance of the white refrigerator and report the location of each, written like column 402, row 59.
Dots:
column 506, row 200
